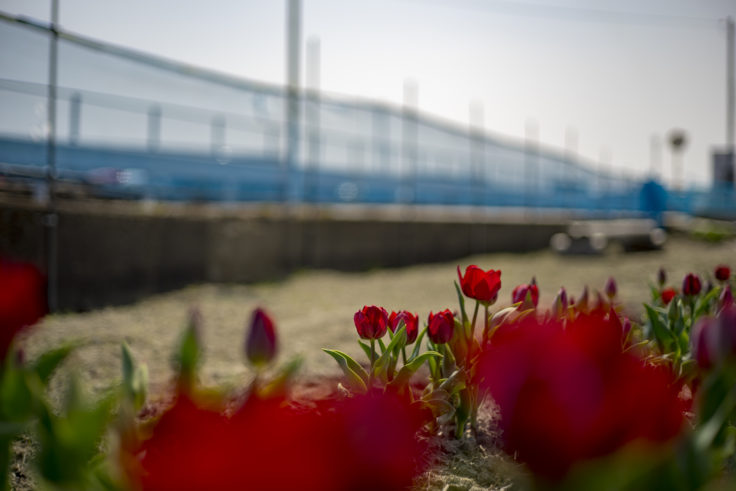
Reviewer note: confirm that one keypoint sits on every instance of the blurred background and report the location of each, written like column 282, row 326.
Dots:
column 339, row 122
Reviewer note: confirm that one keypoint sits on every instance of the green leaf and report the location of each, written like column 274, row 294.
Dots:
column 135, row 379
column 398, row 341
column 703, row 304
column 17, row 397
column 406, row 372
column 453, row 383
column 281, row 381
column 664, row 337
column 49, row 361
column 418, row 344
column 187, row 358
column 461, row 301
column 382, row 345
column 366, row 349
column 9, row 430
column 356, row 376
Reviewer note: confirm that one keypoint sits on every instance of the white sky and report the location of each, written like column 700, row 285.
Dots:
column 617, row 79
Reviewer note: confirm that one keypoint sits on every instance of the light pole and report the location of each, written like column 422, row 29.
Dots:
column 51, row 218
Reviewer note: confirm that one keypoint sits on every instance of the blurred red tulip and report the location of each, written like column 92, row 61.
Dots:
column 371, row 322
column 411, row 321
column 667, row 295
column 480, row 285
column 722, row 272
column 570, row 394
column 22, row 300
column 365, row 442
column 691, row 285
column 440, row 326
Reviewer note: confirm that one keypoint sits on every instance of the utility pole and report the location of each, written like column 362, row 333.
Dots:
column 313, row 117
column 731, row 93
column 51, row 218
column 293, row 187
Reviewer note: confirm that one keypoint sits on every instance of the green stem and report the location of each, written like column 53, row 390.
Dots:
column 436, row 364
column 403, row 354
column 486, row 334
column 5, row 463
column 373, row 361
column 475, row 316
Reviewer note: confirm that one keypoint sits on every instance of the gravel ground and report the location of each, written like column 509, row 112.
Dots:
column 314, row 309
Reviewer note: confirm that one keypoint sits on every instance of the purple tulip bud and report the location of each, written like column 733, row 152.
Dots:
column 611, row 288
column 626, row 327
column 260, row 344
column 661, row 277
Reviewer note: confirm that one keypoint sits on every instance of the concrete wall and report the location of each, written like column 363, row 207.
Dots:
column 118, row 252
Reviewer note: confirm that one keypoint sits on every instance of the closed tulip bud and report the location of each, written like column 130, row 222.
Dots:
column 691, row 285
column 559, row 306
column 661, row 277
column 440, row 326
column 611, row 288
column 722, row 272
column 524, row 291
column 411, row 321
column 261, row 344
column 371, row 322
column 626, row 326
column 582, row 304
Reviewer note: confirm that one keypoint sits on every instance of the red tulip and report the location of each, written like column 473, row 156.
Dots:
column 667, row 295
column 723, row 272
column 364, row 442
column 371, row 322
column 22, row 300
column 411, row 321
column 691, row 285
column 520, row 292
column 261, row 345
column 440, row 326
column 480, row 285
column 570, row 394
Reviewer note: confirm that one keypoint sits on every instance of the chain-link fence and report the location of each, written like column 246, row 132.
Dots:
column 134, row 125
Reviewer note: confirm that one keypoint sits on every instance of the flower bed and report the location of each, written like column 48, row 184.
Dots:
column 581, row 392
